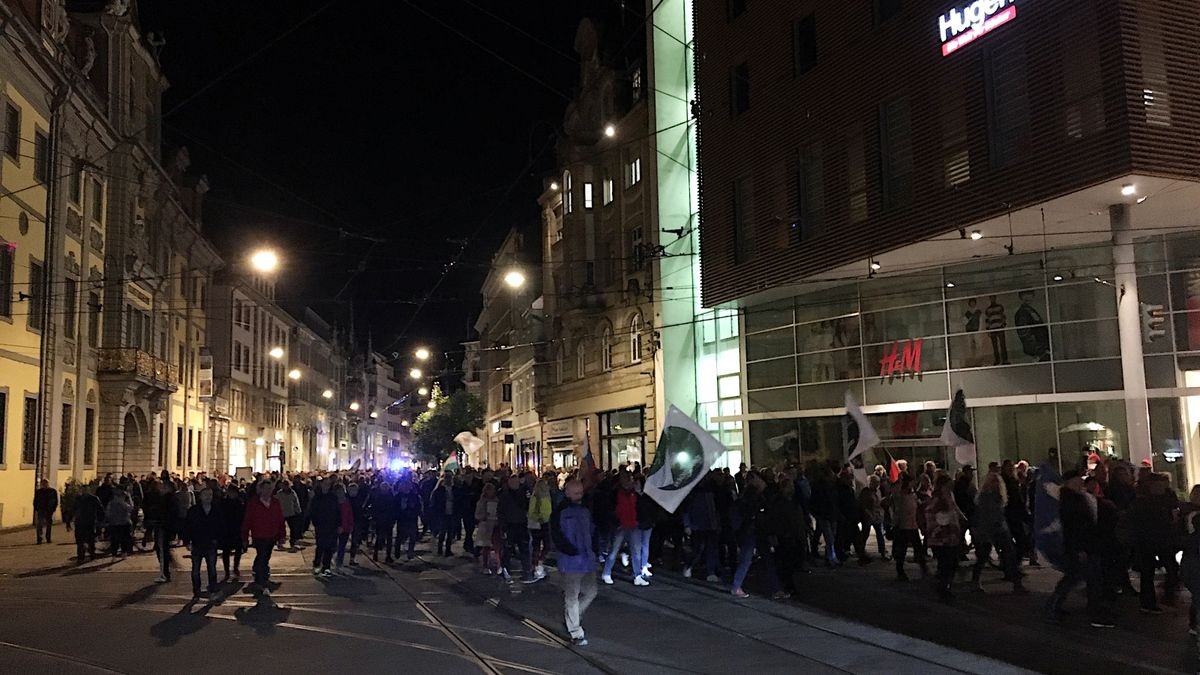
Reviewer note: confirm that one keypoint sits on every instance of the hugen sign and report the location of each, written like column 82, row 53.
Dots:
column 962, row 26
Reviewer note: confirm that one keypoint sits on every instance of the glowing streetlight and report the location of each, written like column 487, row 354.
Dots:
column 328, row 393
column 423, row 391
column 374, row 414
column 610, row 131
column 553, row 185
column 415, row 373
column 264, row 260
column 404, row 423
column 276, row 353
column 514, row 278
column 422, row 354
column 354, row 406
column 431, row 405
column 294, row 374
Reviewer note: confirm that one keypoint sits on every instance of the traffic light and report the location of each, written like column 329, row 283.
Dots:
column 1153, row 322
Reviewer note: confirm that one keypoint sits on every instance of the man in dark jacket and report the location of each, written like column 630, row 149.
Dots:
column 406, row 509
column 824, row 505
column 326, row 517
column 1152, row 517
column 700, row 516
column 513, row 517
column 965, row 492
column 571, row 530
column 383, row 512
column 88, row 515
column 45, row 503
column 1083, row 545
column 204, row 527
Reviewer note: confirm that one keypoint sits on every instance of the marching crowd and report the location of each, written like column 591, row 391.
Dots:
column 1095, row 523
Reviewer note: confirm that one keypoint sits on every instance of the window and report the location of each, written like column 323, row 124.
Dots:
column 633, row 172
column 580, row 359
column 606, row 349
column 178, row 446
column 93, row 319
column 29, row 431
column 743, row 220
column 734, row 9
column 41, row 158
column 856, row 171
column 191, row 443
column 635, row 84
column 589, row 273
column 64, row 439
column 6, row 280
column 810, row 194
column 886, row 9
column 97, row 200
column 75, row 182
column 1156, row 92
column 162, row 442
column 804, row 44
column 956, row 153
column 37, row 298
column 70, row 299
column 636, row 253
column 3, row 426
column 635, row 339
column 1008, row 104
column 587, row 195
column 1082, row 84
column 12, row 131
column 739, row 88
column 568, row 193
column 606, row 188
column 89, row 436
column 895, row 153
column 506, row 392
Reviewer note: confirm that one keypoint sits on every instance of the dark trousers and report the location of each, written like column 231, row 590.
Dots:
column 383, row 537
column 902, row 540
column 788, row 554
column 235, row 552
column 342, row 539
column 121, row 538
column 1147, row 561
column 469, row 534
column 999, row 347
column 704, row 548
column 45, row 524
column 516, row 537
column 85, row 542
column 295, row 528
column 356, row 537
column 209, row 557
column 406, row 533
column 1006, row 553
column 262, row 560
column 947, row 565
column 326, row 545
column 446, row 534
column 1078, row 568
column 162, row 549
column 827, row 529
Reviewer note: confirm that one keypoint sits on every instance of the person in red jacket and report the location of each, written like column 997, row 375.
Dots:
column 263, row 526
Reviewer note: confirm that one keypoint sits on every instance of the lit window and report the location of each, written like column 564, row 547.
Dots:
column 568, row 194
column 606, row 188
column 606, row 349
column 633, row 172
column 587, row 195
column 635, row 339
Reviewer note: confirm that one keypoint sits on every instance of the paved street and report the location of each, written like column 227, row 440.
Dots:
column 433, row 614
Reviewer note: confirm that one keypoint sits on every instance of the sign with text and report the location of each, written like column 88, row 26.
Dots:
column 963, row 25
column 902, row 358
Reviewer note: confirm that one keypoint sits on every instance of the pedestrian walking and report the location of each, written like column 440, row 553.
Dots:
column 263, row 528
column 487, row 524
column 289, row 503
column 541, row 508
column 944, row 522
column 233, row 544
column 118, row 518
column 345, row 523
column 203, row 529
column 326, row 517
column 45, row 503
column 88, row 514
column 572, row 530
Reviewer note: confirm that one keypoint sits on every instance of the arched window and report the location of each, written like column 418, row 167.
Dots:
column 580, row 359
column 635, row 339
column 568, row 193
column 606, row 348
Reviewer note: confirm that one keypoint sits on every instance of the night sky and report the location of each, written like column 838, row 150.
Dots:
column 377, row 120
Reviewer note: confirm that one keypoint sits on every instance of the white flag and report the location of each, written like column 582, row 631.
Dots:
column 685, row 454
column 860, row 435
column 956, row 432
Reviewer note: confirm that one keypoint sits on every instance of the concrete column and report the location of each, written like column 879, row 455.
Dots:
column 1129, row 322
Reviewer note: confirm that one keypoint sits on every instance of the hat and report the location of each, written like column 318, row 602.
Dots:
column 1094, row 458
column 1147, row 463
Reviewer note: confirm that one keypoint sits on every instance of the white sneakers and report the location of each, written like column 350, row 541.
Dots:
column 625, row 560
column 646, row 571
column 687, row 573
column 640, row 581
column 160, row 580
column 540, row 572
column 606, row 579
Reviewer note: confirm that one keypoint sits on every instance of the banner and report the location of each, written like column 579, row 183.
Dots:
column 685, row 454
column 956, row 432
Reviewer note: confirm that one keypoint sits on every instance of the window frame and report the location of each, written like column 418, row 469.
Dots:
column 42, row 161
column 606, row 349
column 29, row 430
column 805, row 54
column 12, row 136
column 635, row 339
column 67, row 417
column 34, row 321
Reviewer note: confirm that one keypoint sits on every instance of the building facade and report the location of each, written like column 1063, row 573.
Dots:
column 898, row 204
column 599, row 239
column 316, row 416
column 384, row 429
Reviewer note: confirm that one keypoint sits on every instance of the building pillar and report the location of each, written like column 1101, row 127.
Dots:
column 1129, row 323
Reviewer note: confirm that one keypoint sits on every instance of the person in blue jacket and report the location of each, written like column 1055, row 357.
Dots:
column 571, row 527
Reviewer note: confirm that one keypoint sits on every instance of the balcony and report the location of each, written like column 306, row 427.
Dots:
column 128, row 362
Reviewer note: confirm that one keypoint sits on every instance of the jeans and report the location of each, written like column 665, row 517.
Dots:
column 745, row 557
column 326, row 543
column 209, row 557
column 644, row 543
column 407, row 533
column 901, row 541
column 633, row 536
column 704, row 547
column 1147, row 562
column 517, row 536
column 44, row 523
column 579, row 589
column 827, row 529
column 262, row 560
column 342, row 539
column 879, row 539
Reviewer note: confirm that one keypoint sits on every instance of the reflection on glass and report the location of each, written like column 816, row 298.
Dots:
column 841, row 364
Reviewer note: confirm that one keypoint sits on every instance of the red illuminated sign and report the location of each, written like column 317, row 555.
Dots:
column 901, row 361
column 960, row 28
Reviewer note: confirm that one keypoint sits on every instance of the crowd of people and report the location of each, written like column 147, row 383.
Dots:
column 1096, row 523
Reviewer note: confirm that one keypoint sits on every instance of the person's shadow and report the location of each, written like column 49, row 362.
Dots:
column 171, row 630
column 263, row 617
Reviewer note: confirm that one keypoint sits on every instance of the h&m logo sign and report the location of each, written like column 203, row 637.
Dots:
column 900, row 360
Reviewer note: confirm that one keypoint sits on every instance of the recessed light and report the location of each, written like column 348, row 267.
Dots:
column 949, row 284
column 1141, row 199
column 976, row 235
column 1058, row 277
column 1128, row 190
column 875, row 265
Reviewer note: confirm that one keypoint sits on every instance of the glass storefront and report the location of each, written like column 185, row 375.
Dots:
column 623, row 437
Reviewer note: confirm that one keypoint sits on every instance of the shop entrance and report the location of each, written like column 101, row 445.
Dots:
column 915, row 451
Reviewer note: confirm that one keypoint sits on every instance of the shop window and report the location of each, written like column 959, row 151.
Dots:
column 773, row 315
column 1015, row 432
column 1086, row 340
column 773, row 373
column 836, row 302
column 772, row 400
column 1167, row 441
column 1091, row 426
column 1079, row 301
column 828, row 334
column 837, row 364
column 905, row 323
column 771, row 344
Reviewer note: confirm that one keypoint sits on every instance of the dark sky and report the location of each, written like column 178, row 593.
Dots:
column 377, row 119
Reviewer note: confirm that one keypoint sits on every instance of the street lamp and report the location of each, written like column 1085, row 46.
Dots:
column 423, row 391
column 294, row 374
column 354, row 406
column 610, row 131
column 431, row 405
column 374, row 414
column 422, row 354
column 328, row 393
column 415, row 373
column 404, row 423
column 276, row 353
column 514, row 278
column 264, row 260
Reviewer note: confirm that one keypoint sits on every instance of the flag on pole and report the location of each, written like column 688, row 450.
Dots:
column 956, row 432
column 588, row 462
column 685, row 454
column 860, row 437
column 893, row 469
